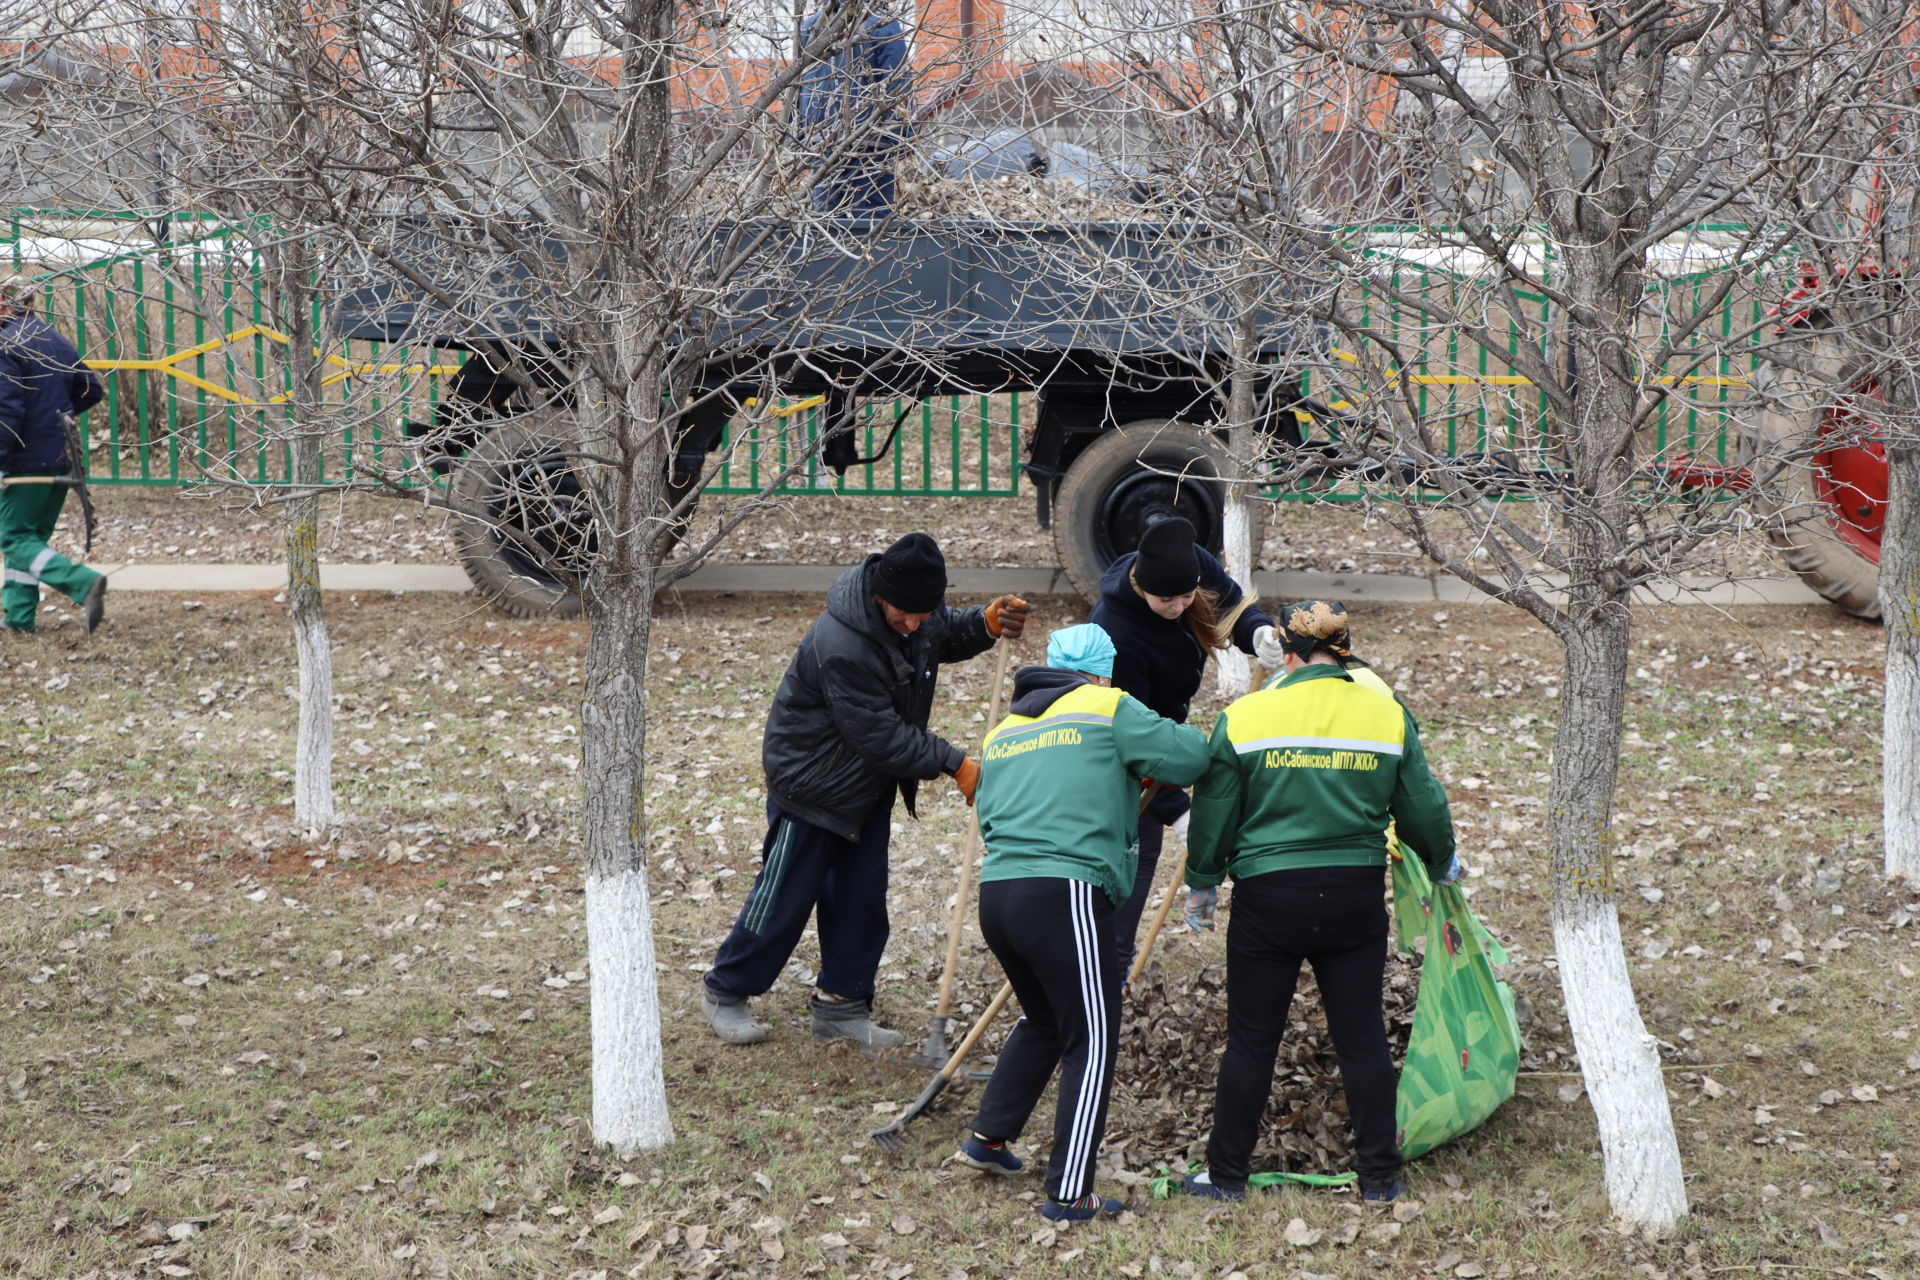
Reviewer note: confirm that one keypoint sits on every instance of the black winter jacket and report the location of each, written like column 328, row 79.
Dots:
column 41, row 377
column 849, row 722
column 1157, row 659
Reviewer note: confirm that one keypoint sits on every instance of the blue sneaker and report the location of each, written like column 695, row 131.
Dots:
column 1085, row 1209
column 1209, row 1191
column 1392, row 1189
column 989, row 1157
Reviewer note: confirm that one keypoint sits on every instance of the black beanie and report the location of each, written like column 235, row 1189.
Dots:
column 1167, row 565
column 911, row 575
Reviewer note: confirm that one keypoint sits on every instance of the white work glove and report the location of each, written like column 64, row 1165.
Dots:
column 1179, row 826
column 1453, row 872
column 1267, row 648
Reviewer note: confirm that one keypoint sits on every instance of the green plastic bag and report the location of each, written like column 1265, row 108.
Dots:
column 1463, row 1056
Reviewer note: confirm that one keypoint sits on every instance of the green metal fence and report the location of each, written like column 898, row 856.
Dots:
column 198, row 387
column 1470, row 397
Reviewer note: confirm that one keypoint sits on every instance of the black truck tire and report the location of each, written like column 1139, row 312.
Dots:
column 1134, row 477
column 517, row 478
column 1803, row 533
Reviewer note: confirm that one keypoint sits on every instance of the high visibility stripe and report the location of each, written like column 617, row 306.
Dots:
column 1336, row 744
column 1077, row 1165
column 1048, row 722
column 21, row 576
column 767, row 890
column 40, row 562
column 1089, row 704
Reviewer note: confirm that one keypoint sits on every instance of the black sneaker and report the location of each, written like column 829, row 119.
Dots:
column 1211, row 1191
column 93, row 605
column 1085, row 1209
column 989, row 1157
column 1391, row 1189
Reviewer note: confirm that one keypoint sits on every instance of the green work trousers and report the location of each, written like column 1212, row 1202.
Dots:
column 28, row 513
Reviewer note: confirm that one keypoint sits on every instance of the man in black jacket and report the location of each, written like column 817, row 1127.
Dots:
column 42, row 380
column 847, row 732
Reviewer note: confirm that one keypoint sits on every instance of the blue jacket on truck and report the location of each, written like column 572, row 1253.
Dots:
column 41, row 378
column 851, row 111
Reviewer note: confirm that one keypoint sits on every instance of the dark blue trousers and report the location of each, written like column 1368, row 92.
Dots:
column 806, row 869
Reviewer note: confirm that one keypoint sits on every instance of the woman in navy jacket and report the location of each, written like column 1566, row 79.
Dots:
column 1167, row 606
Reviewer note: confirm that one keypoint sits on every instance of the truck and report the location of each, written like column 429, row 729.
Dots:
column 1121, row 331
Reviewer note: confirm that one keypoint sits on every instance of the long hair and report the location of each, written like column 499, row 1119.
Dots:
column 1202, row 618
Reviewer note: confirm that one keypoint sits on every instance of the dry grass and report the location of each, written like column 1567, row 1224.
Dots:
column 230, row 1052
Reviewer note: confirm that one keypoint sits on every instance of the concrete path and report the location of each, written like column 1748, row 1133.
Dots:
column 809, row 579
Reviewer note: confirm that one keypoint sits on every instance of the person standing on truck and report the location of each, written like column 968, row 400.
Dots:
column 1168, row 605
column 43, row 386
column 1059, row 799
column 1305, row 777
column 847, row 733
column 852, row 110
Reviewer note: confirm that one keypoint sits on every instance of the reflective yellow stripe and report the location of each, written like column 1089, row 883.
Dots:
column 1322, row 712
column 1089, row 704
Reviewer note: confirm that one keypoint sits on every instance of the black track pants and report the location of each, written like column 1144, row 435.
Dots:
column 1335, row 918
column 1055, row 940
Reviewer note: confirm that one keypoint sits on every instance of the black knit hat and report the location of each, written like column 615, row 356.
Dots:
column 911, row 575
column 1167, row 565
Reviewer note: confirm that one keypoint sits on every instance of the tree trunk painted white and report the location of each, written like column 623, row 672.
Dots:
column 1900, row 607
column 313, row 803
column 1235, row 671
column 629, row 1085
column 1645, row 1186
column 629, row 1081
column 1237, row 551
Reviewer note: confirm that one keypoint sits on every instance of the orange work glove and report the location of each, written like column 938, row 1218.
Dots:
column 1007, row 617
column 967, row 778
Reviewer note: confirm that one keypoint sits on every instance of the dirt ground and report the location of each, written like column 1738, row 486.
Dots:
column 172, row 526
column 231, row 1049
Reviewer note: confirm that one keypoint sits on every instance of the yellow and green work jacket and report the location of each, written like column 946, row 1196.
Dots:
column 1308, row 773
column 1060, row 780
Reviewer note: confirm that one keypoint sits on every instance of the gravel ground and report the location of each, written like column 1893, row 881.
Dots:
column 173, row 526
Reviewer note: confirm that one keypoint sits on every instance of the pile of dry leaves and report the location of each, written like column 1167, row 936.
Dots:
column 924, row 195
column 1170, row 1048
column 1175, row 1026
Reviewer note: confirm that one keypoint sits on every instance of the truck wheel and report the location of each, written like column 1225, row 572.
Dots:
column 526, row 531
column 1130, row 479
column 1831, row 506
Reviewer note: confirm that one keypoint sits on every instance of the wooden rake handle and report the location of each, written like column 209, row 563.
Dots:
column 1160, row 916
column 970, row 853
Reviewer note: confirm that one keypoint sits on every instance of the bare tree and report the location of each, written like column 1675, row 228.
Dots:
column 1579, row 211
column 1846, row 404
column 594, row 200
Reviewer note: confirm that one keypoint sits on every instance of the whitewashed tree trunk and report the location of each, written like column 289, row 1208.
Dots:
column 313, row 803
column 629, row 1085
column 1900, row 607
column 1237, row 552
column 1618, row 1064
column 1235, row 672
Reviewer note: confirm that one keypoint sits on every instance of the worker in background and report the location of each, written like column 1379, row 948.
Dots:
column 1059, row 802
column 1167, row 606
column 847, row 733
column 853, row 107
column 1305, row 777
column 43, row 385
